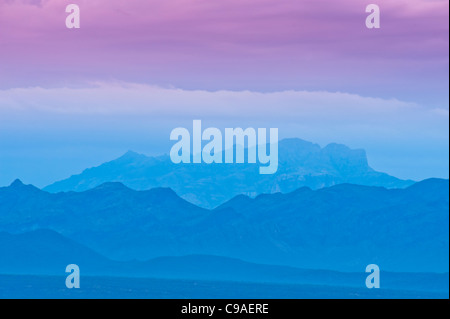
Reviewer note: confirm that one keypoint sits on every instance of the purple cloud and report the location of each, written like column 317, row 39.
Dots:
column 252, row 44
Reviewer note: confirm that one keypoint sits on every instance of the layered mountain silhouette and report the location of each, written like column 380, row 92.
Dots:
column 45, row 252
column 301, row 164
column 343, row 227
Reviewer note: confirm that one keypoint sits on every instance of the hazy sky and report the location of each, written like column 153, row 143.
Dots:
column 70, row 99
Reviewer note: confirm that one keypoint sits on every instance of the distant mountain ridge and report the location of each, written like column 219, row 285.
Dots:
column 45, row 252
column 343, row 227
column 301, row 163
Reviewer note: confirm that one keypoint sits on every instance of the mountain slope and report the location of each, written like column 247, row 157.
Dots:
column 344, row 227
column 301, row 163
column 110, row 216
column 352, row 224
column 45, row 252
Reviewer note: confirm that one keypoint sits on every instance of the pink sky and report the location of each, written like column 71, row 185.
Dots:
column 260, row 45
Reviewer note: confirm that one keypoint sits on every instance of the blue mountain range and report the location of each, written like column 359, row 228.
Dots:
column 343, row 227
column 301, row 163
column 46, row 253
column 319, row 221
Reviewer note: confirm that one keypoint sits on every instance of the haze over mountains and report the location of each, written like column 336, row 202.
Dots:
column 244, row 226
column 45, row 252
column 343, row 227
column 301, row 164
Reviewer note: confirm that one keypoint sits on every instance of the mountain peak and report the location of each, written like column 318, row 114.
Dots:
column 17, row 183
column 112, row 186
column 295, row 142
column 301, row 163
column 18, row 186
column 131, row 155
